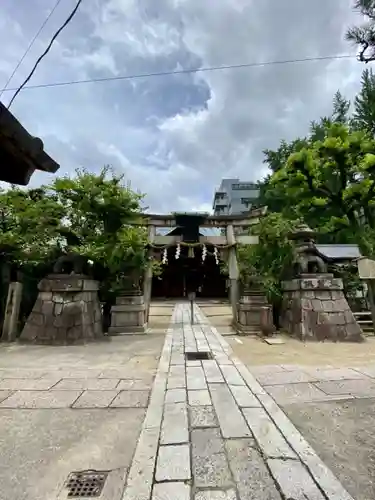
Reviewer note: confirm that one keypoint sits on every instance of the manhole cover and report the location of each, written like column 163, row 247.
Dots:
column 86, row 483
column 192, row 356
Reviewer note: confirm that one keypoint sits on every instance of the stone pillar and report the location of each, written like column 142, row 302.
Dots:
column 128, row 315
column 315, row 308
column 233, row 271
column 12, row 311
column 67, row 311
column 147, row 286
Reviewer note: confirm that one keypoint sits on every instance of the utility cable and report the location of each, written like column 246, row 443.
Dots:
column 184, row 71
column 29, row 46
column 70, row 17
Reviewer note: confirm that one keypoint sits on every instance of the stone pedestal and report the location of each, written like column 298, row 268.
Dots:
column 315, row 308
column 67, row 311
column 254, row 314
column 128, row 315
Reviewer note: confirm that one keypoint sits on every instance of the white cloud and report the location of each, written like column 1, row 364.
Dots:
column 175, row 137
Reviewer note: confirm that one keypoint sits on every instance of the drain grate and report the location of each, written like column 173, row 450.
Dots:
column 198, row 355
column 86, row 483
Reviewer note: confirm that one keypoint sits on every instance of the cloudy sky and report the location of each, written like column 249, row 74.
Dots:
column 176, row 136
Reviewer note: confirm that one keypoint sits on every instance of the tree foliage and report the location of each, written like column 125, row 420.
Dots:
column 94, row 215
column 271, row 259
column 364, row 35
column 330, row 183
column 364, row 104
column 29, row 222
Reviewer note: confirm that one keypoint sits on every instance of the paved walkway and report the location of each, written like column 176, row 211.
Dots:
column 211, row 432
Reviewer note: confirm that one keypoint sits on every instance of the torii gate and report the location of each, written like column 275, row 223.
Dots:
column 235, row 231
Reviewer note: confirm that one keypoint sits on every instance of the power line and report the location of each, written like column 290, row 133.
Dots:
column 70, row 17
column 184, row 71
column 29, row 46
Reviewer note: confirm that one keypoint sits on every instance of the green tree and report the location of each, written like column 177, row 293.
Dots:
column 271, row 259
column 100, row 220
column 330, row 183
column 29, row 220
column 341, row 108
column 364, row 104
column 364, row 35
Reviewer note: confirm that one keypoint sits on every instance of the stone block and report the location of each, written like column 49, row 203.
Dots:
column 173, row 463
column 202, row 416
column 171, row 491
column 4, row 395
column 295, row 393
column 175, row 396
column 356, row 388
column 131, row 399
column 269, row 438
column 294, row 481
column 230, row 418
column 249, row 471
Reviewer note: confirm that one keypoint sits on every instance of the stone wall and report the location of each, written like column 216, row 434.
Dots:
column 128, row 315
column 67, row 311
column 315, row 308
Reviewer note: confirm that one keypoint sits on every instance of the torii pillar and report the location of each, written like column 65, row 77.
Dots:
column 233, row 271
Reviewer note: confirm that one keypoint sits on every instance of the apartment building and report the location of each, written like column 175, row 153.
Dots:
column 234, row 197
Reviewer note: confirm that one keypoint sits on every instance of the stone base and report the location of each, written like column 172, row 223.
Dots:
column 67, row 311
column 128, row 316
column 254, row 315
column 315, row 308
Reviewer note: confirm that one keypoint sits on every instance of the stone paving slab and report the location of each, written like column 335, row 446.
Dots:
column 334, row 374
column 202, row 416
column 270, row 440
column 133, row 384
column 171, row 491
column 211, row 471
column 231, row 375
column 207, row 441
column 93, row 384
column 250, row 472
column 173, row 463
column 4, row 395
column 175, row 424
column 95, row 399
column 212, row 372
column 41, row 399
column 175, row 396
column 294, row 480
column 216, row 495
column 131, row 399
column 231, row 420
column 282, row 378
column 244, row 397
column 19, row 384
column 292, row 393
column 199, row 398
column 356, row 388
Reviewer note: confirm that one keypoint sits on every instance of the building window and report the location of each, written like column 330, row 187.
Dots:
column 244, row 186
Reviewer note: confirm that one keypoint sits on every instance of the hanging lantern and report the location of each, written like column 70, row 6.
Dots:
column 216, row 255
column 165, row 257
column 204, row 253
column 178, row 251
column 191, row 253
